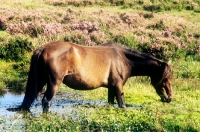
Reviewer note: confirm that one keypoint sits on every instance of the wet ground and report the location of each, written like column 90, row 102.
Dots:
column 60, row 103
column 64, row 100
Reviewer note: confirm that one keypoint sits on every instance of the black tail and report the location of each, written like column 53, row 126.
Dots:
column 32, row 83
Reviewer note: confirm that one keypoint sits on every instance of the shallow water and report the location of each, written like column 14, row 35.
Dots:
column 62, row 101
column 64, row 104
column 9, row 100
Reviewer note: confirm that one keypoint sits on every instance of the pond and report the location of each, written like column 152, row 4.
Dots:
column 9, row 100
column 62, row 100
column 65, row 104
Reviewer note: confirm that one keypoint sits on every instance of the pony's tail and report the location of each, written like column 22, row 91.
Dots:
column 32, row 83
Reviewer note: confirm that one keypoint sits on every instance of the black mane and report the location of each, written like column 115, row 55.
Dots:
column 132, row 53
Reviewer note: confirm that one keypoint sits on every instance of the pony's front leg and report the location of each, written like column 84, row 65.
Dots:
column 118, row 93
column 48, row 96
column 120, row 97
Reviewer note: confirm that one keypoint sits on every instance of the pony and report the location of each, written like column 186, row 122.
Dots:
column 89, row 67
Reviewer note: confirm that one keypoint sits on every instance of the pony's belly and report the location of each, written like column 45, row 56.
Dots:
column 79, row 83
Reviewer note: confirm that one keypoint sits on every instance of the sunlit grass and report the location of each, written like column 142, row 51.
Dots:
column 188, row 68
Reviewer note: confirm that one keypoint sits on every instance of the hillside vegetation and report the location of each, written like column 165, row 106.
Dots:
column 166, row 29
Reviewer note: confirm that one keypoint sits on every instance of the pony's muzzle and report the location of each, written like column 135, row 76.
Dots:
column 164, row 99
column 169, row 100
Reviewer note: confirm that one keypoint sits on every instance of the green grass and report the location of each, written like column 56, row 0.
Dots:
column 144, row 112
column 113, row 119
column 13, row 76
column 175, row 30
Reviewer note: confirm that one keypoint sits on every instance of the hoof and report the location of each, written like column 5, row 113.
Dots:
column 17, row 109
column 46, row 107
column 13, row 109
column 122, row 106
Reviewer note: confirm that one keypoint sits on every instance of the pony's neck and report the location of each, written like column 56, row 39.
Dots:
column 143, row 64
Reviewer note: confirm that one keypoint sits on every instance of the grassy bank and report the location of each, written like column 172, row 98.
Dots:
column 168, row 30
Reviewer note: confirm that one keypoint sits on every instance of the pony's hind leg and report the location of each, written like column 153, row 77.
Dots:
column 48, row 95
column 111, row 95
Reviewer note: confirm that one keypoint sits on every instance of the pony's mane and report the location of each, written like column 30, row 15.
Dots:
column 141, row 55
column 133, row 52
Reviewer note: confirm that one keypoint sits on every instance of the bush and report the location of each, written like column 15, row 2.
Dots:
column 127, row 40
column 76, row 38
column 15, row 49
column 153, row 8
column 2, row 23
column 157, row 26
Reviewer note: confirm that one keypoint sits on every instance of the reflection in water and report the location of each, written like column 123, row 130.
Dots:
column 9, row 100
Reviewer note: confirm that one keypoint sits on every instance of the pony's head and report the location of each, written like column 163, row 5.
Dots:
column 163, row 85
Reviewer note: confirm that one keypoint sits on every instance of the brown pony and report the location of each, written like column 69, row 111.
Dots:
column 89, row 67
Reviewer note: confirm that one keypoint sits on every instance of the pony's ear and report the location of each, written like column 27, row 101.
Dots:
column 169, row 62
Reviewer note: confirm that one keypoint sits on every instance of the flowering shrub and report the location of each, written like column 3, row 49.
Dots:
column 159, row 25
column 160, row 35
column 51, row 29
column 98, row 37
column 73, row 2
column 2, row 23
column 87, row 27
column 14, row 28
column 35, row 28
column 80, row 37
column 126, row 18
